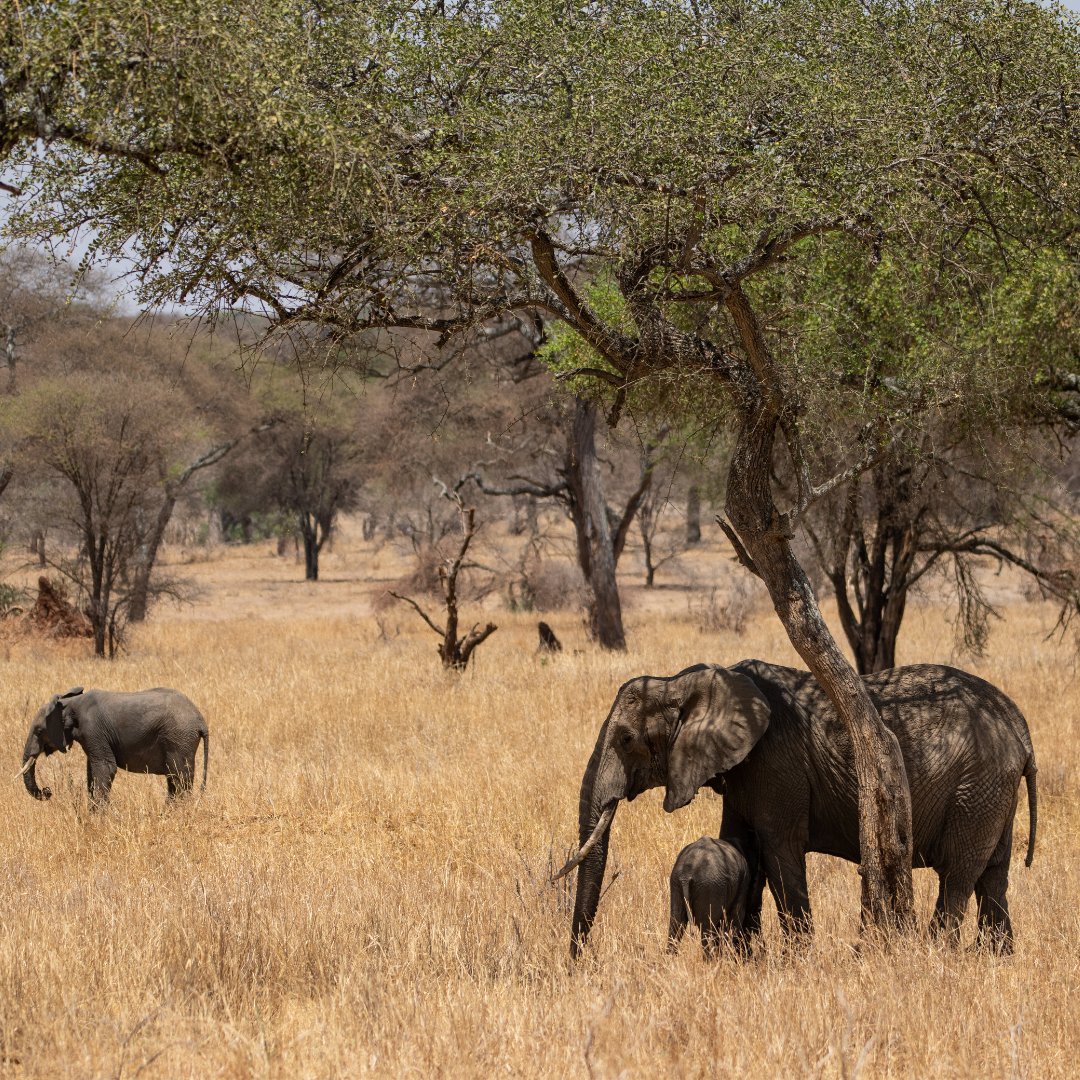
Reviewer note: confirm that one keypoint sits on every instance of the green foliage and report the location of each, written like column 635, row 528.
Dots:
column 891, row 183
column 12, row 599
column 565, row 351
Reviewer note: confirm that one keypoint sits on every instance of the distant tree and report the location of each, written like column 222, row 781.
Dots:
column 33, row 291
column 946, row 511
column 103, row 439
column 314, row 473
column 600, row 532
column 150, row 527
column 306, row 468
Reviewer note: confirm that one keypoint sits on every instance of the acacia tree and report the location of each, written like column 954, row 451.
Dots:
column 329, row 161
column 946, row 513
column 304, row 466
column 100, row 439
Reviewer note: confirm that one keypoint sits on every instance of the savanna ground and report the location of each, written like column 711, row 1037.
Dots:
column 362, row 889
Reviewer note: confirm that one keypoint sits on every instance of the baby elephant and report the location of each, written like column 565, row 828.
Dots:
column 710, row 883
column 151, row 731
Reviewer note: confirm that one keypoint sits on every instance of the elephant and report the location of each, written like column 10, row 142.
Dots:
column 768, row 739
column 150, row 731
column 710, row 883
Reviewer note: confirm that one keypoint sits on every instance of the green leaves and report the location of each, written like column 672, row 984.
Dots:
column 889, row 182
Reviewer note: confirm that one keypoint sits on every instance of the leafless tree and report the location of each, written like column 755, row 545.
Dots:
column 455, row 650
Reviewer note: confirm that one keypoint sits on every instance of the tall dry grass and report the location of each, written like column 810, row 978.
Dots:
column 362, row 888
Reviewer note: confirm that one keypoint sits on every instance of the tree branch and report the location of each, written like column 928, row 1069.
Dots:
column 740, row 552
column 419, row 610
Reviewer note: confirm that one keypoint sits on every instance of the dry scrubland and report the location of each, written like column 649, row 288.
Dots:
column 362, row 888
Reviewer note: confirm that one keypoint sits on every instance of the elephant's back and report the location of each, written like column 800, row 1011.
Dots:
column 964, row 743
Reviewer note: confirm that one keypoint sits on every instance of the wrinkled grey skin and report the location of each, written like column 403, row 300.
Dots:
column 768, row 739
column 150, row 731
column 710, row 883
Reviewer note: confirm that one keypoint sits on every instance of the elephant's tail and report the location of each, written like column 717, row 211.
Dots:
column 205, row 756
column 1033, row 807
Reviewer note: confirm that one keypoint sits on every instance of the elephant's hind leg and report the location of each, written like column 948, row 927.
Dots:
column 995, row 926
column 954, row 892
column 180, row 774
column 679, row 917
column 785, row 872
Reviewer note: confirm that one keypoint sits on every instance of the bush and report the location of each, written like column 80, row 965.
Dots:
column 12, row 600
column 547, row 585
column 725, row 608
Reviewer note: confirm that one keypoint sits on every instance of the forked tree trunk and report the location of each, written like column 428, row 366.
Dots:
column 596, row 548
column 871, row 602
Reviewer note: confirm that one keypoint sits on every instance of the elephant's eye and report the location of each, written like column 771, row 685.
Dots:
column 626, row 738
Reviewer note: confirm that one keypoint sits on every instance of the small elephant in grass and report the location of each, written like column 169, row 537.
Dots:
column 710, row 883
column 149, row 731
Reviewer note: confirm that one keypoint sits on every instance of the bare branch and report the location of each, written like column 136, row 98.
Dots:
column 593, row 373
column 419, row 610
column 740, row 552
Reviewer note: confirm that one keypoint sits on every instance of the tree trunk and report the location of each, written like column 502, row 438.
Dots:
column 311, row 551
column 872, row 601
column 596, row 554
column 9, row 352
column 693, row 516
column 884, row 796
column 146, row 558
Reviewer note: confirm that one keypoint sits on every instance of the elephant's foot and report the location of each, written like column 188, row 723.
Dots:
column 996, row 938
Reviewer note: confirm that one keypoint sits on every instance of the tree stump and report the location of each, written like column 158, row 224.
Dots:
column 549, row 643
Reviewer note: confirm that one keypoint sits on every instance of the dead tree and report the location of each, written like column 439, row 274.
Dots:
column 455, row 652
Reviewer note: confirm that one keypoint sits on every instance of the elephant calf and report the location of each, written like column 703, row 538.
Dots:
column 150, row 731
column 710, row 883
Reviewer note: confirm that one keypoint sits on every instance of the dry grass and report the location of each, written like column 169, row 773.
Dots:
column 362, row 888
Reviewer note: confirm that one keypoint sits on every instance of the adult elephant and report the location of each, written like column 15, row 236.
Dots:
column 769, row 740
column 148, row 731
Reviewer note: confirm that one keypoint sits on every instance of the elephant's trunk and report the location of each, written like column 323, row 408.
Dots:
column 29, row 769
column 601, row 790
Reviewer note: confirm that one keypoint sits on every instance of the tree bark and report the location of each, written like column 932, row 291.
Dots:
column 884, row 795
column 693, row 516
column 596, row 552
column 309, row 532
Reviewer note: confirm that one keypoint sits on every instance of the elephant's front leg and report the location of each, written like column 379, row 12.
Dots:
column 785, row 871
column 99, row 778
column 754, row 899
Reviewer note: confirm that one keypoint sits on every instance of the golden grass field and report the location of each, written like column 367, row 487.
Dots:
column 362, row 889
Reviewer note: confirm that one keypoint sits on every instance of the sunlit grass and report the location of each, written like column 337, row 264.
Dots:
column 362, row 888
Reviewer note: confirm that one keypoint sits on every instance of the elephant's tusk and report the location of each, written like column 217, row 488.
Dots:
column 29, row 762
column 601, row 827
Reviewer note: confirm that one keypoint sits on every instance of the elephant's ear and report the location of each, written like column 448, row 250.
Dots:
column 54, row 725
column 75, row 691
column 723, row 714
